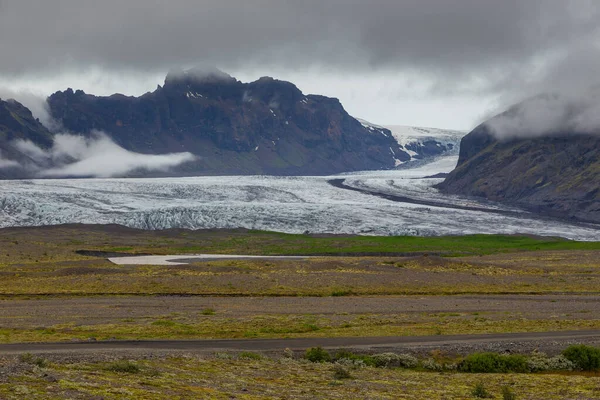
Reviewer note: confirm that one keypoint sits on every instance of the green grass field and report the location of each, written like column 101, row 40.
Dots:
column 259, row 242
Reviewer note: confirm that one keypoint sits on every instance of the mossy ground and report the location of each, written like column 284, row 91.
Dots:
column 221, row 377
column 51, row 293
column 43, row 264
column 518, row 273
column 58, row 243
column 291, row 326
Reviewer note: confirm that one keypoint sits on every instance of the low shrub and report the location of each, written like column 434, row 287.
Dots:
column 223, row 356
column 28, row 358
column 407, row 361
column 317, row 354
column 508, row 394
column 164, row 322
column 340, row 372
column 352, row 363
column 288, row 353
column 385, row 359
column 586, row 358
column 389, row 360
column 248, row 355
column 539, row 362
column 341, row 293
column 493, row 363
column 431, row 365
column 348, row 358
column 480, row 391
column 123, row 366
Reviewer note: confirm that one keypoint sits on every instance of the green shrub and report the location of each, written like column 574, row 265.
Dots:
column 339, row 372
column 341, row 293
column 480, row 391
column 539, row 362
column 208, row 311
column 288, row 353
column 317, row 354
column 348, row 358
column 164, row 322
column 344, row 354
column 493, row 363
column 354, row 363
column 431, row 365
column 123, row 366
column 28, row 358
column 250, row 355
column 395, row 360
column 584, row 357
column 508, row 394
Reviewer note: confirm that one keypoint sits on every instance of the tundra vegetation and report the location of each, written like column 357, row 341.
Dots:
column 51, row 290
column 315, row 373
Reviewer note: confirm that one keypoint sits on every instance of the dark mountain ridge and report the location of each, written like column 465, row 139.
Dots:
column 557, row 174
column 263, row 127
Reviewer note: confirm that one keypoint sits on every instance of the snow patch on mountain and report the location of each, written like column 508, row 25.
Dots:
column 421, row 143
column 410, row 134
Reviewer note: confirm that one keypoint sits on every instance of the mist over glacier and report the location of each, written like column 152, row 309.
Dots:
column 284, row 204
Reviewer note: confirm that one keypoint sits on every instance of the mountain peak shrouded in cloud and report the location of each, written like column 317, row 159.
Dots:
column 549, row 115
column 438, row 63
column 542, row 155
column 198, row 74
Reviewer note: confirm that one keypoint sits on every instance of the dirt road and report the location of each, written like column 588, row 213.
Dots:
column 505, row 339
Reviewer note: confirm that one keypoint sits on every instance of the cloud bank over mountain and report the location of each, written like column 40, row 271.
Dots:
column 553, row 114
column 452, row 58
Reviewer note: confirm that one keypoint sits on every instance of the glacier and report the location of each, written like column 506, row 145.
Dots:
column 275, row 203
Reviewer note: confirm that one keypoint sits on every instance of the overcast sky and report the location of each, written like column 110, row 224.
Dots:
column 439, row 63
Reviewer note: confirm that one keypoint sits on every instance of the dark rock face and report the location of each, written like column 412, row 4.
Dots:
column 557, row 175
column 264, row 127
column 429, row 148
column 17, row 123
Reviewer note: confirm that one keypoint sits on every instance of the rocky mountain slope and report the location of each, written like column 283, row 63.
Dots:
column 263, row 127
column 557, row 175
column 17, row 123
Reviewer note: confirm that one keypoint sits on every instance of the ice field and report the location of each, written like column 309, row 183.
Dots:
column 285, row 204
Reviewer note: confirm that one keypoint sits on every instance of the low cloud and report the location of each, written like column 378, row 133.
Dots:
column 96, row 156
column 35, row 102
column 547, row 115
column 4, row 163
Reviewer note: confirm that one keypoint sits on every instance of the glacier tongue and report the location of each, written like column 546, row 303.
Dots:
column 285, row 204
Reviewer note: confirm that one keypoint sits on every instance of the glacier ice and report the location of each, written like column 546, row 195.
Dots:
column 285, row 204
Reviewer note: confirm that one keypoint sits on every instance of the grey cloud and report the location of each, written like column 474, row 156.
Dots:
column 505, row 49
column 443, row 38
column 35, row 102
column 550, row 115
column 5, row 163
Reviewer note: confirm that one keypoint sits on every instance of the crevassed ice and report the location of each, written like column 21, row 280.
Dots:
column 285, row 204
